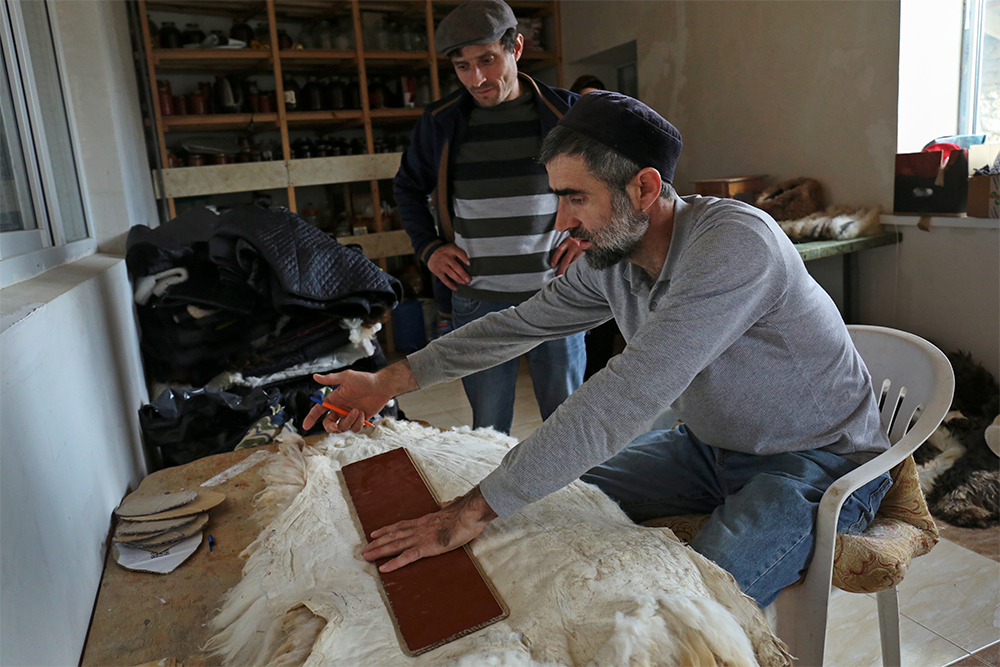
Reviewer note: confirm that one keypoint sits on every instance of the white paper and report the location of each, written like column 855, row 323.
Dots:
column 161, row 563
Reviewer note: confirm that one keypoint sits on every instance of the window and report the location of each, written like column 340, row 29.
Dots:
column 979, row 101
column 42, row 214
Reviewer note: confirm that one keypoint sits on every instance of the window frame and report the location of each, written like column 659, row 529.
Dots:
column 27, row 253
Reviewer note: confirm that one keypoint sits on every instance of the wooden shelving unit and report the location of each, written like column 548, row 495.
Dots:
column 285, row 172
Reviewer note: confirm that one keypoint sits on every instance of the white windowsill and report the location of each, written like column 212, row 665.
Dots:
column 942, row 221
column 24, row 267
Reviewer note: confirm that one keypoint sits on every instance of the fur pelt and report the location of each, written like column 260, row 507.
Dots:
column 584, row 584
column 792, row 199
column 837, row 223
column 959, row 473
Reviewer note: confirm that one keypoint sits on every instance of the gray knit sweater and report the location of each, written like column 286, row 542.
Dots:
column 734, row 334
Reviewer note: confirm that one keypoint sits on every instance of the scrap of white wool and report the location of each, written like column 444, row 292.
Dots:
column 584, row 585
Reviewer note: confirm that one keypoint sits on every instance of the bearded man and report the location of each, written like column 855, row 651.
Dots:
column 722, row 322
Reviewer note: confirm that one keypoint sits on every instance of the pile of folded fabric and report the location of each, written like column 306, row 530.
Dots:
column 236, row 313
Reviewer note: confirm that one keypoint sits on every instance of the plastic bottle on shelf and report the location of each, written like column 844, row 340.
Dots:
column 170, row 36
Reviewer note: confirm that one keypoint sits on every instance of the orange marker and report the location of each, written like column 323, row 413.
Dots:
column 339, row 411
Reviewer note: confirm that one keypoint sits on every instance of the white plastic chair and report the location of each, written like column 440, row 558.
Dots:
column 914, row 383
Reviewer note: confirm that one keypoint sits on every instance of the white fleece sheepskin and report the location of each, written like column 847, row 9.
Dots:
column 584, row 585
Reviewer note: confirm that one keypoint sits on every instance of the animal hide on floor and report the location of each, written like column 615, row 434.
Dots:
column 959, row 473
column 584, row 585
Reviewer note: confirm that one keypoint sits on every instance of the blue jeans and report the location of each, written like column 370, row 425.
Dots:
column 556, row 369
column 763, row 508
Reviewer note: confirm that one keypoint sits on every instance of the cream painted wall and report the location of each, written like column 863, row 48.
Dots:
column 71, row 379
column 942, row 284
column 807, row 88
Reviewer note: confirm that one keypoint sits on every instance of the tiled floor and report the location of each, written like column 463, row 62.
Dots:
column 949, row 601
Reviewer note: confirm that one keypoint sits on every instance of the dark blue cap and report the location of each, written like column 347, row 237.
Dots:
column 627, row 126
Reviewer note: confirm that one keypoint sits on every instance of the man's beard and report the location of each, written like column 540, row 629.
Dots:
column 617, row 240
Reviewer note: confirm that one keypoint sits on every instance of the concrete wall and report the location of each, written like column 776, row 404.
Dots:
column 71, row 379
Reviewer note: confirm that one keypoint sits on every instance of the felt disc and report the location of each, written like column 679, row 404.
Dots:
column 144, row 505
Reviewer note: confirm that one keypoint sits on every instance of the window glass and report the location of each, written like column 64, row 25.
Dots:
column 54, row 120
column 16, row 211
column 979, row 107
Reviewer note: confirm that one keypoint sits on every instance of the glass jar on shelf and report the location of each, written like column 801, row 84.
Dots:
column 311, row 98
column 306, row 37
column 324, row 35
column 285, row 42
column 242, row 32
column 262, row 35
column 193, row 35
column 170, row 36
column 344, row 35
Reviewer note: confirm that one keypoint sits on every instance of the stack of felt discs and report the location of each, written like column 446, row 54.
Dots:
column 156, row 523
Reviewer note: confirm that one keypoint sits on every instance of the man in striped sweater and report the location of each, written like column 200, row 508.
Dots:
column 495, row 243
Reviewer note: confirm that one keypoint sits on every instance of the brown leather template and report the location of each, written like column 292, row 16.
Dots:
column 435, row 600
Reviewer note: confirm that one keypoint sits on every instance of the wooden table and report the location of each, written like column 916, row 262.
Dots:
column 141, row 617
column 848, row 250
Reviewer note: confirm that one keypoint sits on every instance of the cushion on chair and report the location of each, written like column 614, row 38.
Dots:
column 876, row 559
column 685, row 527
column 903, row 528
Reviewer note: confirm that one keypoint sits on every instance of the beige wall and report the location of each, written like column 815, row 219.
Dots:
column 809, row 88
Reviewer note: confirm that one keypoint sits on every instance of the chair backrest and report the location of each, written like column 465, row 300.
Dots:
column 912, row 380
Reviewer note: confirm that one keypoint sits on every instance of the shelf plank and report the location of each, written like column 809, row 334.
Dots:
column 219, row 121
column 210, row 59
column 382, row 244
column 313, row 117
column 343, row 169
column 245, row 177
column 219, row 179
column 317, row 56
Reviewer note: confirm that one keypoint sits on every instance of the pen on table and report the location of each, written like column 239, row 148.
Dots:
column 339, row 411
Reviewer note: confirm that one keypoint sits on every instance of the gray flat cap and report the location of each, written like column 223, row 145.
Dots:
column 475, row 22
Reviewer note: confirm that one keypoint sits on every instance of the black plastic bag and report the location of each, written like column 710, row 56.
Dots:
column 182, row 425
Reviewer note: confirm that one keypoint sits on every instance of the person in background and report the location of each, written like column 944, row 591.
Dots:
column 495, row 243
column 586, row 83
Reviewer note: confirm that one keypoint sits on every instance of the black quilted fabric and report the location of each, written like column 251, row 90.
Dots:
column 307, row 268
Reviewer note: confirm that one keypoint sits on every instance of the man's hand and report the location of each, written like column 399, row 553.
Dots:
column 565, row 254
column 447, row 264
column 455, row 524
column 361, row 394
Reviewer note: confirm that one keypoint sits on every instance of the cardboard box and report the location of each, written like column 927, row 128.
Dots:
column 984, row 197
